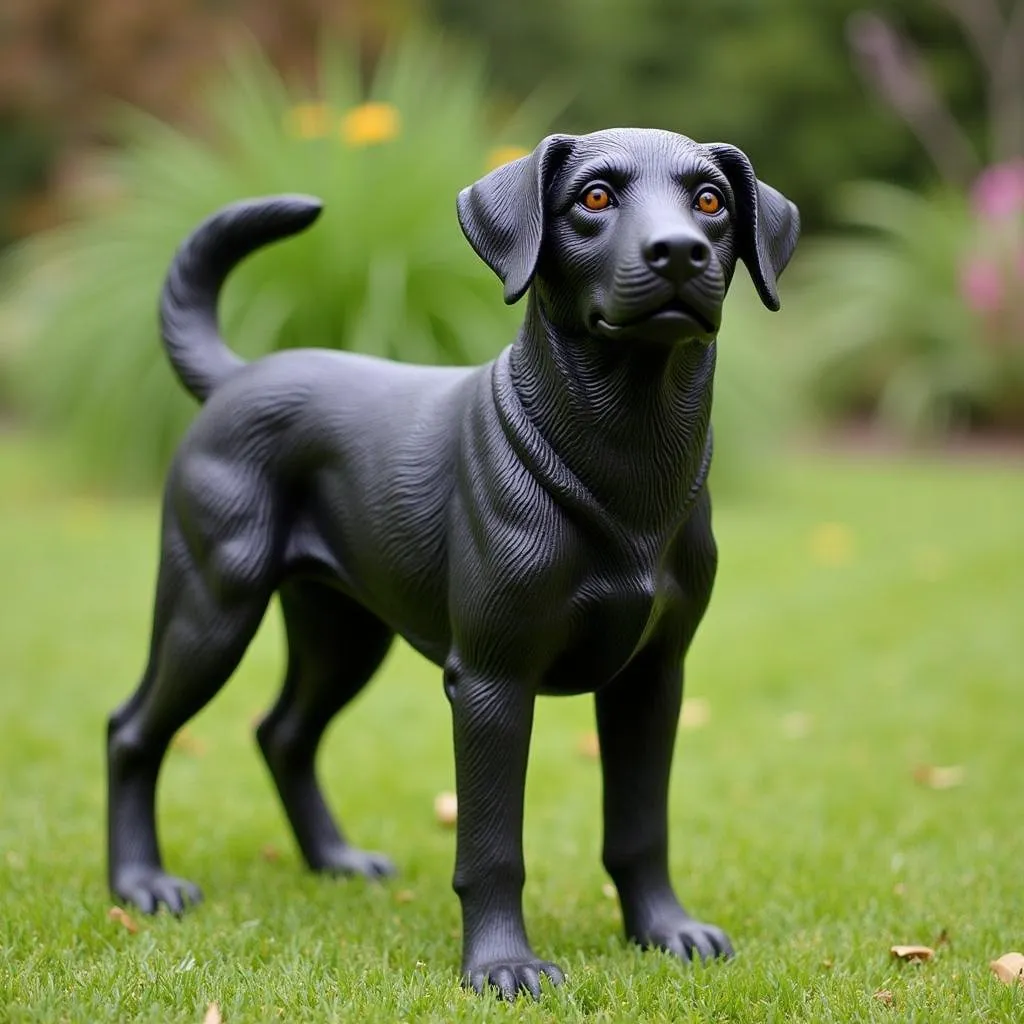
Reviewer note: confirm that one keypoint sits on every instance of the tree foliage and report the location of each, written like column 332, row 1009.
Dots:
column 62, row 63
column 774, row 78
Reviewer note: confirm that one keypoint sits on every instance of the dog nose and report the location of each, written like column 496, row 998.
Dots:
column 678, row 255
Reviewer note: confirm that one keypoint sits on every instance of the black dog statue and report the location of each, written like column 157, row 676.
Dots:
column 537, row 525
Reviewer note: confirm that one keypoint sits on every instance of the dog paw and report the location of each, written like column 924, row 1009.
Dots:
column 511, row 977
column 149, row 888
column 687, row 939
column 347, row 860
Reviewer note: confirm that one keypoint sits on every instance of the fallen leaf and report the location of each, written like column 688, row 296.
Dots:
column 832, row 544
column 1009, row 968
column 405, row 896
column 796, row 725
column 695, row 714
column 270, row 853
column 914, row 954
column 446, row 808
column 185, row 742
column 212, row 1015
column 589, row 746
column 609, row 890
column 935, row 777
column 828, row 964
column 883, row 995
column 123, row 918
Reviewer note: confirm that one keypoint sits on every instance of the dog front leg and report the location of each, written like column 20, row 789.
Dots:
column 492, row 721
column 637, row 717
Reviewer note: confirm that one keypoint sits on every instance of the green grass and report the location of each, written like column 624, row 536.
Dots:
column 900, row 644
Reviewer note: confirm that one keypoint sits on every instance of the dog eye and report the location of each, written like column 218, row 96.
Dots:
column 709, row 202
column 596, row 197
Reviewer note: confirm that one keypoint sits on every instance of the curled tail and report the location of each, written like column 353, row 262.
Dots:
column 188, row 306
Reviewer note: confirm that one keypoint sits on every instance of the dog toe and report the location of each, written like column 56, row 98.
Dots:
column 149, row 888
column 512, row 979
column 176, row 894
column 687, row 939
column 347, row 860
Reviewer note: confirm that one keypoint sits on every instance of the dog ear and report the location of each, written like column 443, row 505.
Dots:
column 502, row 215
column 768, row 223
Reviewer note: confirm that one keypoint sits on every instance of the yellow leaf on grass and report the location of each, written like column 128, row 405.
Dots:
column 589, row 745
column 1009, row 968
column 446, row 808
column 123, row 918
column 939, row 777
column 912, row 953
column 883, row 995
column 405, row 896
column 270, row 853
column 796, row 725
column 832, row 544
column 188, row 744
column 212, row 1015
column 696, row 713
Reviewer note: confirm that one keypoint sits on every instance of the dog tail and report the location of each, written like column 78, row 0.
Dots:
column 188, row 305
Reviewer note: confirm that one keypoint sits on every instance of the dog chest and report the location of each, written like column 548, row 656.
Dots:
column 613, row 616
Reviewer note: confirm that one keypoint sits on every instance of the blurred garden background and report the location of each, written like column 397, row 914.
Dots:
column 849, row 773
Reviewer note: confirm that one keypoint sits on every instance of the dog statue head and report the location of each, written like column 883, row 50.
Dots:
column 630, row 233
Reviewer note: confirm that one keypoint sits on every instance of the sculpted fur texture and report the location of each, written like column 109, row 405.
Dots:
column 537, row 525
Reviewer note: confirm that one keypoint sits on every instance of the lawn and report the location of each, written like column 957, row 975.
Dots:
column 868, row 621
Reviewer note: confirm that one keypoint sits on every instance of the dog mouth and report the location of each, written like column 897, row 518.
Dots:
column 674, row 313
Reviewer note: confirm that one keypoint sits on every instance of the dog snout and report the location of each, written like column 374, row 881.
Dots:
column 677, row 255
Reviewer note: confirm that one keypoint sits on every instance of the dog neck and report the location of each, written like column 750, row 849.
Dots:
column 631, row 423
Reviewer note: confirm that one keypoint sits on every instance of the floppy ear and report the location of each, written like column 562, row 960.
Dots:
column 768, row 223
column 502, row 215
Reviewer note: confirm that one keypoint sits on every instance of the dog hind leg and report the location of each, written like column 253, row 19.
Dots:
column 334, row 647
column 205, row 617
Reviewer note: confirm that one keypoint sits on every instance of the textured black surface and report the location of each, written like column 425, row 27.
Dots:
column 538, row 525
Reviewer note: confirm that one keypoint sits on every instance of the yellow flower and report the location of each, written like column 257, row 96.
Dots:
column 832, row 544
column 504, row 155
column 309, row 121
column 370, row 123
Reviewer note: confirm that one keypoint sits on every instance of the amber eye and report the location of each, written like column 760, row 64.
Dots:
column 709, row 203
column 597, row 198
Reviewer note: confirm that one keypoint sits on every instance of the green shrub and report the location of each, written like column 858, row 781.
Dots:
column 757, row 386
column 916, row 317
column 894, row 326
column 885, row 329
column 386, row 269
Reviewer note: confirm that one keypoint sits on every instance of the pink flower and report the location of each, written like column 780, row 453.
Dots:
column 998, row 191
column 981, row 285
